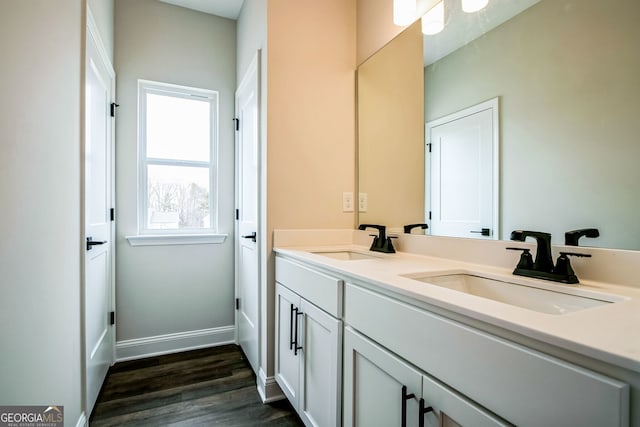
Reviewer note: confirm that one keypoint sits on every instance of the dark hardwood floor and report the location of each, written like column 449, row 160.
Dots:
column 208, row 387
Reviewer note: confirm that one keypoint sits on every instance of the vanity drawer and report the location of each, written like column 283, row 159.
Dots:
column 519, row 384
column 320, row 289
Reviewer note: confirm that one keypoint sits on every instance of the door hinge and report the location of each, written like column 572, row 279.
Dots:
column 112, row 214
column 113, row 109
column 429, row 146
column 429, row 214
column 112, row 318
column 237, row 214
column 237, row 303
column 237, row 122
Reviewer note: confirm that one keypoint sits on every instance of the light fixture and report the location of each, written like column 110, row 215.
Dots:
column 471, row 6
column 433, row 20
column 404, row 12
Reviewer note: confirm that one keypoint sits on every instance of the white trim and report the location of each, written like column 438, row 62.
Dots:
column 139, row 348
column 268, row 388
column 176, row 239
column 82, row 420
column 102, row 51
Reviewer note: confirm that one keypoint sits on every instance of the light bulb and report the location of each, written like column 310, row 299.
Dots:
column 433, row 20
column 471, row 6
column 404, row 12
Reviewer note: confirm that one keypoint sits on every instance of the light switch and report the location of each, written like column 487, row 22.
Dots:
column 347, row 201
column 362, row 202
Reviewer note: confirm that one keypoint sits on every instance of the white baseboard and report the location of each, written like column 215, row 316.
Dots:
column 82, row 421
column 172, row 343
column 268, row 388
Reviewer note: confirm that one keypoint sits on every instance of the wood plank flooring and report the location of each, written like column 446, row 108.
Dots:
column 207, row 387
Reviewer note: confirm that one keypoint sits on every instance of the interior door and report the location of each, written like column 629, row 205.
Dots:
column 99, row 336
column 247, row 251
column 462, row 151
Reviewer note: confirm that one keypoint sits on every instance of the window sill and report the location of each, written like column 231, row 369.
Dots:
column 176, row 239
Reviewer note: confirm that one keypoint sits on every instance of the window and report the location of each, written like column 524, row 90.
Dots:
column 177, row 130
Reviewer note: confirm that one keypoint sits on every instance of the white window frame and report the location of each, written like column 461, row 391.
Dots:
column 147, row 236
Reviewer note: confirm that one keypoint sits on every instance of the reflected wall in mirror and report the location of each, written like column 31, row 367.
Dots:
column 567, row 74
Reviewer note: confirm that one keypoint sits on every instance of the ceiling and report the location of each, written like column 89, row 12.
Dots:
column 225, row 8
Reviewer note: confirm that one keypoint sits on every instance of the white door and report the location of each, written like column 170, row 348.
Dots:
column 99, row 336
column 462, row 177
column 378, row 386
column 320, row 367
column 247, row 251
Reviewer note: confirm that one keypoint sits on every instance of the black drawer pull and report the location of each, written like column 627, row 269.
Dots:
column 421, row 411
column 296, row 347
column 405, row 397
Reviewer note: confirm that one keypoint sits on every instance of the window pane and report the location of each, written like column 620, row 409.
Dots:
column 178, row 128
column 178, row 197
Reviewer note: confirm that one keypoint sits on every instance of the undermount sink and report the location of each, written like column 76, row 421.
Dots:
column 529, row 297
column 345, row 255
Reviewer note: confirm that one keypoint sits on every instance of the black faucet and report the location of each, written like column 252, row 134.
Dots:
column 543, row 261
column 542, row 267
column 408, row 228
column 381, row 243
column 571, row 237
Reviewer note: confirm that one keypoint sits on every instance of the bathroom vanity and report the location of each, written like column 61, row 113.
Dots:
column 372, row 339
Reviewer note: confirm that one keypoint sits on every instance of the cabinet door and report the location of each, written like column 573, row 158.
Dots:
column 450, row 409
column 286, row 361
column 320, row 385
column 373, row 385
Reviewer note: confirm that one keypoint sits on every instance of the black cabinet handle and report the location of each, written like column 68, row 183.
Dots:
column 291, row 340
column 296, row 347
column 421, row 411
column 405, row 397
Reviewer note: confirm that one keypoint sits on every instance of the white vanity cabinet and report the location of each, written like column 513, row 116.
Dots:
column 463, row 372
column 381, row 389
column 308, row 357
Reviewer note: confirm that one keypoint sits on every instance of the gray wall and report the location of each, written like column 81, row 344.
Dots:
column 165, row 290
column 569, row 115
column 41, row 51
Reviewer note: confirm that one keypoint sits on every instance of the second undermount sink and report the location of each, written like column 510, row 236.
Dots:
column 345, row 255
column 529, row 297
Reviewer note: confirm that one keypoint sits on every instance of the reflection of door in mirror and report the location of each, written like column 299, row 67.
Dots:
column 461, row 178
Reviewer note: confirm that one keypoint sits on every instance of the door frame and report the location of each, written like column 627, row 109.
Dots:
column 253, row 68
column 492, row 104
column 92, row 32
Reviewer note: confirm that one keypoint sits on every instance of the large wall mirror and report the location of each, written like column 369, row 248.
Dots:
column 566, row 74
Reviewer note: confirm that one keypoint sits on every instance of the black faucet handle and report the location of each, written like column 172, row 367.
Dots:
column 576, row 254
column 563, row 266
column 526, row 260
column 407, row 228
column 571, row 237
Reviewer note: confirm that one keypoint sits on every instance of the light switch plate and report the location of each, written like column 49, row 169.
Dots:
column 347, row 201
column 363, row 202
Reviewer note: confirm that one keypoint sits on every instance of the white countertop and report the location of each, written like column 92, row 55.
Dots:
column 609, row 333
